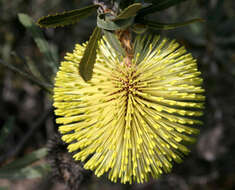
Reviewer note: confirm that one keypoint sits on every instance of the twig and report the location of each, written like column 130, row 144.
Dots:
column 27, row 136
column 125, row 38
column 37, row 82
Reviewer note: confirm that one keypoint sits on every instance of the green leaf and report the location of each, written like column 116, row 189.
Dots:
column 35, row 69
column 6, row 129
column 139, row 28
column 66, row 18
column 39, row 39
column 25, row 161
column 104, row 22
column 114, row 42
column 130, row 11
column 88, row 60
column 164, row 26
column 158, row 5
column 29, row 172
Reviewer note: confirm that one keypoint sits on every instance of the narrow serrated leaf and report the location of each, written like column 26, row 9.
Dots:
column 88, row 60
column 66, row 18
column 39, row 39
column 158, row 5
column 164, row 26
column 130, row 11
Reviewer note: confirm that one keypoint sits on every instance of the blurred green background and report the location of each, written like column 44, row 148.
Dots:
column 26, row 113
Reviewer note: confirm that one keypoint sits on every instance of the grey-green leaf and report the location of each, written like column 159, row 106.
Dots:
column 66, row 18
column 130, row 11
column 39, row 39
column 88, row 60
column 113, row 25
column 114, row 42
column 164, row 26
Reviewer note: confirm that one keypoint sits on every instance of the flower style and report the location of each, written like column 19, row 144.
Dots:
column 134, row 120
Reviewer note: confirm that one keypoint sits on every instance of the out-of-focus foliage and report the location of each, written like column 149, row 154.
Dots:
column 20, row 169
column 25, row 108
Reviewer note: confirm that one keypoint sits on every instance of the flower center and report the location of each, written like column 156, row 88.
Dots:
column 127, row 81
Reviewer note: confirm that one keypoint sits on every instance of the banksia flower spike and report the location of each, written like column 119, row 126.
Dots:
column 130, row 120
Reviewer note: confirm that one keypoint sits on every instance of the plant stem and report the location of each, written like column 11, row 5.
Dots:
column 125, row 38
column 44, row 86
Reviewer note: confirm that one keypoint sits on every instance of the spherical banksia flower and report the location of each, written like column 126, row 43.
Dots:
column 130, row 120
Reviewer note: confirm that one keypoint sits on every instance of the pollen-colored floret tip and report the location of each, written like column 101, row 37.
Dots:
column 131, row 121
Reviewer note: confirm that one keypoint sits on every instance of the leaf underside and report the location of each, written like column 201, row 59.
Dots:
column 114, row 42
column 107, row 24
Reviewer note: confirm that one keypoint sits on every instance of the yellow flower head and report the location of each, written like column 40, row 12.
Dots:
column 131, row 121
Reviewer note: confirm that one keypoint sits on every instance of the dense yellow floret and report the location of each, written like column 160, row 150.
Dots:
column 130, row 121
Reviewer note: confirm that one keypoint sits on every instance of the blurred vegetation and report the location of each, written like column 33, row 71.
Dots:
column 26, row 113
